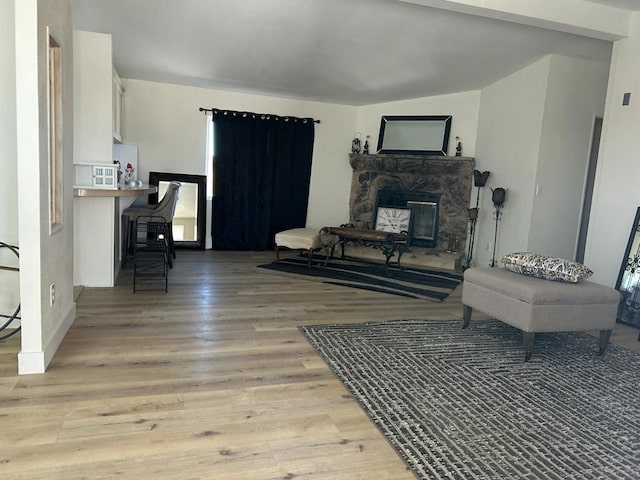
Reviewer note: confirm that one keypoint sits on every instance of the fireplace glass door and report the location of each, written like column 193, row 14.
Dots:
column 424, row 220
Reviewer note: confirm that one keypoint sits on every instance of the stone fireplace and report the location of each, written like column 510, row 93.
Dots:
column 436, row 188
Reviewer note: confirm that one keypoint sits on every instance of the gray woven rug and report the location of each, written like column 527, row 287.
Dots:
column 462, row 404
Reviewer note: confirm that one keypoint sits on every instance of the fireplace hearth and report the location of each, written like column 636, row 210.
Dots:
column 416, row 182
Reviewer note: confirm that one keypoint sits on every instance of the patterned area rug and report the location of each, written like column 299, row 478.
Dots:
column 408, row 282
column 462, row 403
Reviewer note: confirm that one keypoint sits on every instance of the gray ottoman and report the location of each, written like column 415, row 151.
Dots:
column 538, row 305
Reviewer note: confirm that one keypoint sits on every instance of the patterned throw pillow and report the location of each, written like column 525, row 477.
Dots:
column 543, row 266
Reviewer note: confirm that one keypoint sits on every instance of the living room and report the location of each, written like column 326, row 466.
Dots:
column 518, row 127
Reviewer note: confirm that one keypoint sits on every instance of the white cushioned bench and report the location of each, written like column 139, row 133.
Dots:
column 538, row 305
column 306, row 239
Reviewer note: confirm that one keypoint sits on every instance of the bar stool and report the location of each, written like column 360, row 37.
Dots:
column 165, row 209
column 150, row 253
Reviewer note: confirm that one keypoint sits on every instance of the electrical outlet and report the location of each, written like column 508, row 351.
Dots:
column 52, row 294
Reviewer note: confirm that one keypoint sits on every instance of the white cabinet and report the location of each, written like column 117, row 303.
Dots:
column 96, row 219
column 92, row 98
column 117, row 97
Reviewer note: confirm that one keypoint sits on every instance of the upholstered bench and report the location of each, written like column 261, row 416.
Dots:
column 539, row 305
column 305, row 239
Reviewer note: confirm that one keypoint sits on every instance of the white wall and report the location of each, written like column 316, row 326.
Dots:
column 45, row 257
column 509, row 134
column 576, row 91
column 463, row 107
column 164, row 121
column 616, row 194
column 9, row 281
column 535, row 130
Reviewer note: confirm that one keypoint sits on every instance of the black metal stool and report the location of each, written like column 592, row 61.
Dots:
column 150, row 251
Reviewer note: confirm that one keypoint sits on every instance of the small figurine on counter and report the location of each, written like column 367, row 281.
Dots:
column 128, row 174
column 365, row 150
column 118, row 170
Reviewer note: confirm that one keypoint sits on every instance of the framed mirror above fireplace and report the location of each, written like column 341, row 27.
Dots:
column 414, row 134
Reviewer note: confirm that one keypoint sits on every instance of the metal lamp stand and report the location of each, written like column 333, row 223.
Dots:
column 473, row 219
column 479, row 181
column 495, row 235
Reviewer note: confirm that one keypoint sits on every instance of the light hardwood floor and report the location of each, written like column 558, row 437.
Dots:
column 209, row 381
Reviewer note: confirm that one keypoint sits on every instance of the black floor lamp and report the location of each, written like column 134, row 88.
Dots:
column 498, row 197
column 479, row 181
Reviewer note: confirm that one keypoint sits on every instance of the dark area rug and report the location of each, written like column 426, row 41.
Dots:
column 427, row 284
column 463, row 404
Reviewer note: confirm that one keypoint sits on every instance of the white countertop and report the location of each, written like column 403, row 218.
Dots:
column 125, row 191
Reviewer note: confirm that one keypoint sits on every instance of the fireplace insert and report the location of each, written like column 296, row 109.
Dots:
column 424, row 206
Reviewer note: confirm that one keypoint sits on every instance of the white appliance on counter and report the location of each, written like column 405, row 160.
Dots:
column 93, row 175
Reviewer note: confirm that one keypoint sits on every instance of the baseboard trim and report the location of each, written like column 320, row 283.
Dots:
column 37, row 362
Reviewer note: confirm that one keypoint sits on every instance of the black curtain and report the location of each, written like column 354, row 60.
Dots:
column 262, row 175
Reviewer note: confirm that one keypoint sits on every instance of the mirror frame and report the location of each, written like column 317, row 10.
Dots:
column 156, row 177
column 630, row 258
column 423, row 134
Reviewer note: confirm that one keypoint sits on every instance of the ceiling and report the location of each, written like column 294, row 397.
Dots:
column 631, row 5
column 354, row 52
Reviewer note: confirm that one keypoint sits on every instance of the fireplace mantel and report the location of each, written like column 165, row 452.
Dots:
column 449, row 176
column 399, row 162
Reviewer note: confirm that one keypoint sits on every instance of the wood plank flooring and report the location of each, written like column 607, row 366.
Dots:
column 209, row 381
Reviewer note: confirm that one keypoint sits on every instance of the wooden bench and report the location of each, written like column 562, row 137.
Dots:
column 388, row 243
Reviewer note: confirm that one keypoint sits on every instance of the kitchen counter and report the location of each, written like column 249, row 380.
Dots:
column 97, row 213
column 125, row 191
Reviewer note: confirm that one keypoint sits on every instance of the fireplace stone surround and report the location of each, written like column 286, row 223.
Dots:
column 449, row 176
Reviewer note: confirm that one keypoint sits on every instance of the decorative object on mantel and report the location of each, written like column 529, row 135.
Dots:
column 498, row 197
column 458, row 147
column 365, row 150
column 355, row 144
column 479, row 181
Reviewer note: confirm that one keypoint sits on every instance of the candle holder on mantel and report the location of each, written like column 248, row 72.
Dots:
column 498, row 198
column 479, row 181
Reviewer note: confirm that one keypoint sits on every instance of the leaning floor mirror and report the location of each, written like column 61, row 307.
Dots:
column 189, row 221
column 628, row 283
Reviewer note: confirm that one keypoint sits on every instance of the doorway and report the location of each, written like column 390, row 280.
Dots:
column 588, row 190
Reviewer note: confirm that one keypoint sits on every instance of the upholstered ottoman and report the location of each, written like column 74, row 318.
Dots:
column 539, row 305
column 306, row 239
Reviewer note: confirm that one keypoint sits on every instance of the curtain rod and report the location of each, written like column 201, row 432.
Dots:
column 216, row 110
